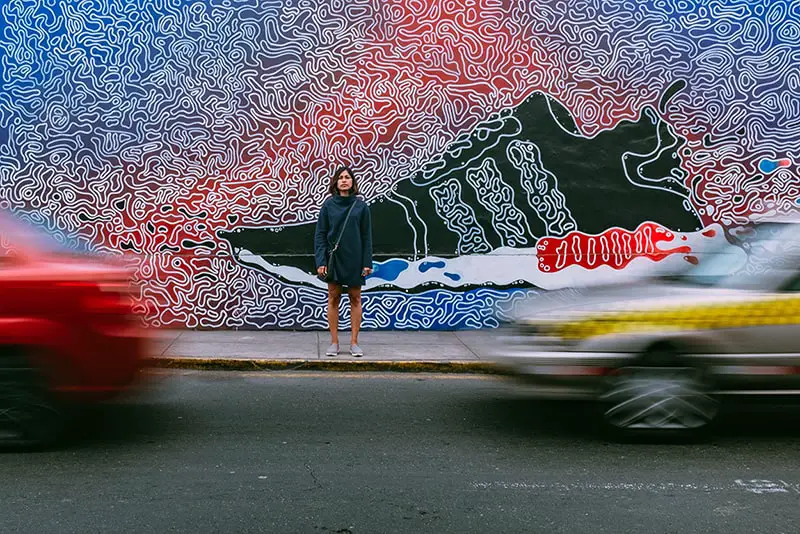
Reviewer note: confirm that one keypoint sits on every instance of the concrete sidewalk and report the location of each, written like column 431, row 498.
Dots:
column 461, row 351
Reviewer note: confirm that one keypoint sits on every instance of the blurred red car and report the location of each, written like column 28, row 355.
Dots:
column 68, row 334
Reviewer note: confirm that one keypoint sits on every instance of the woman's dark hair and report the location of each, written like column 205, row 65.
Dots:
column 333, row 190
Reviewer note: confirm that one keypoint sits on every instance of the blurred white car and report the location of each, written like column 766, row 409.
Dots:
column 659, row 355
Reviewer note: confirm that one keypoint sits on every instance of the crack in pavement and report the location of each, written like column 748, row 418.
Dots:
column 311, row 472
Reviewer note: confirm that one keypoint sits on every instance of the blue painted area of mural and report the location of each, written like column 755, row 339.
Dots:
column 453, row 276
column 767, row 165
column 440, row 309
column 388, row 270
column 426, row 266
column 437, row 309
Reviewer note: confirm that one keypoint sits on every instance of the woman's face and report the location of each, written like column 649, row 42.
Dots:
column 344, row 182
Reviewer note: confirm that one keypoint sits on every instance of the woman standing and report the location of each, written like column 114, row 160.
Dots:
column 343, row 238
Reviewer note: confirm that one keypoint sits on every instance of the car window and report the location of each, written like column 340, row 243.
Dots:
column 772, row 252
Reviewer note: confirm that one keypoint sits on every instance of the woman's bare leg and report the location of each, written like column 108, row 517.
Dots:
column 334, row 296
column 355, row 313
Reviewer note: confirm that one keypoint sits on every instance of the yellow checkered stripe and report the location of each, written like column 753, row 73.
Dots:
column 771, row 311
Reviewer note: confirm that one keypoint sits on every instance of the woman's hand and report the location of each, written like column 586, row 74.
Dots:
column 366, row 271
column 322, row 271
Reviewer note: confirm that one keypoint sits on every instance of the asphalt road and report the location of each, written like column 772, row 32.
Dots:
column 331, row 452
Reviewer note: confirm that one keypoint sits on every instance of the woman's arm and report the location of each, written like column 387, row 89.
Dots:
column 321, row 238
column 366, row 238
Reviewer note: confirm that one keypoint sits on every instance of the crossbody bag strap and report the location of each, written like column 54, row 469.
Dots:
column 344, row 224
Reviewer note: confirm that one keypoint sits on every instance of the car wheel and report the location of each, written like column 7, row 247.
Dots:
column 30, row 415
column 655, row 398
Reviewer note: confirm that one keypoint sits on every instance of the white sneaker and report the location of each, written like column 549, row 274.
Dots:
column 356, row 351
column 333, row 350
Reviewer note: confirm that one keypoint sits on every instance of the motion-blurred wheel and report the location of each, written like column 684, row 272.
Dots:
column 30, row 416
column 660, row 396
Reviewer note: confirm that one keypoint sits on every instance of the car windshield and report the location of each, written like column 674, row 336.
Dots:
column 771, row 251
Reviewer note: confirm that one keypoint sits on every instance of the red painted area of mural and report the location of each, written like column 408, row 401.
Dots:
column 616, row 247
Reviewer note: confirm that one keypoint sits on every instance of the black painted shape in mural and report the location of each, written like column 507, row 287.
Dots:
column 521, row 175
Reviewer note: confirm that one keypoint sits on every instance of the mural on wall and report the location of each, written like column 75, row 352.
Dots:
column 478, row 214
column 504, row 147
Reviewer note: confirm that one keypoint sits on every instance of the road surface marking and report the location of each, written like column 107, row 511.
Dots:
column 757, row 486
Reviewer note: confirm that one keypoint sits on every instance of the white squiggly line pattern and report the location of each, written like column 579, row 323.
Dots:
column 142, row 126
column 497, row 197
column 459, row 217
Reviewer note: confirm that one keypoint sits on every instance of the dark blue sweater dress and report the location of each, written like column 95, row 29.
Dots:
column 355, row 249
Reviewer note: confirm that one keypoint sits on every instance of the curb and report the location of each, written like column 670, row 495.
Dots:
column 234, row 364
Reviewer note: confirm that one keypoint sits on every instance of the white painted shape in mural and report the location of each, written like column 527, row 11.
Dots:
column 506, row 266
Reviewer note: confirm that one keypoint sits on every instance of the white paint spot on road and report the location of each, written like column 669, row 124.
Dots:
column 760, row 487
